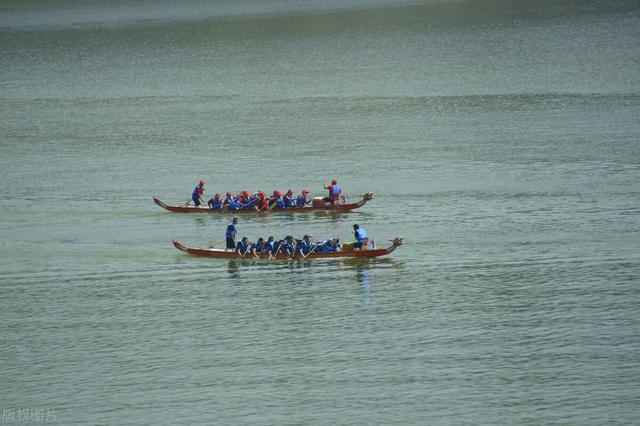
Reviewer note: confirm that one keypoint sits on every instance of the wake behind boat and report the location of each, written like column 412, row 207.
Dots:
column 317, row 204
column 346, row 251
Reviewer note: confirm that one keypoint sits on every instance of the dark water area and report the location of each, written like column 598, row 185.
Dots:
column 501, row 139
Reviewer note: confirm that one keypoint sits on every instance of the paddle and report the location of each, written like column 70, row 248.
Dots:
column 217, row 242
column 310, row 251
column 271, row 255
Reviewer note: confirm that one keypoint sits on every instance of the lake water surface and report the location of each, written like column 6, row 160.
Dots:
column 502, row 139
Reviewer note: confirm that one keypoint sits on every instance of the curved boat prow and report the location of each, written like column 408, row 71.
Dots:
column 367, row 196
column 396, row 242
column 160, row 203
column 180, row 246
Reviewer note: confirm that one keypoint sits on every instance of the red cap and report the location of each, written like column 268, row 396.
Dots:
column 333, row 182
column 229, row 193
column 245, row 192
column 261, row 193
column 276, row 193
column 217, row 195
column 201, row 181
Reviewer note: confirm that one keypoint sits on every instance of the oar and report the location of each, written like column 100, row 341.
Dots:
column 216, row 243
column 310, row 251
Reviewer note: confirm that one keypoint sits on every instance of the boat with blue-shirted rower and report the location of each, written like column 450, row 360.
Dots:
column 346, row 251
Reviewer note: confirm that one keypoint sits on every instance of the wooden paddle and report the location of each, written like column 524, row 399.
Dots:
column 310, row 251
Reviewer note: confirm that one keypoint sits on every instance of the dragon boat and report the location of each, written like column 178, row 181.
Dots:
column 317, row 204
column 346, row 251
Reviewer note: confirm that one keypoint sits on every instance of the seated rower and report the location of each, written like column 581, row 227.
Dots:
column 243, row 246
column 306, row 246
column 331, row 245
column 277, row 200
column 261, row 203
column 231, row 202
column 302, row 201
column 228, row 198
column 361, row 237
column 287, row 246
column 289, row 201
column 270, row 245
column 334, row 192
column 258, row 247
column 215, row 202
column 198, row 193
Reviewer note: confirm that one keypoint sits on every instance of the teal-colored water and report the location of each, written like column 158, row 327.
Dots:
column 502, row 139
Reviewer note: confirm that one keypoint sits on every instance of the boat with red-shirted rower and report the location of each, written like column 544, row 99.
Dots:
column 317, row 204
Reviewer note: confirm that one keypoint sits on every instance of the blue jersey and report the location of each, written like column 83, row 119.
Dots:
column 231, row 231
column 360, row 235
column 215, row 203
column 242, row 247
column 307, row 246
column 270, row 246
column 301, row 201
column 197, row 192
column 330, row 246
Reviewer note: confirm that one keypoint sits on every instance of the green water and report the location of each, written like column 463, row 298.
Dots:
column 501, row 139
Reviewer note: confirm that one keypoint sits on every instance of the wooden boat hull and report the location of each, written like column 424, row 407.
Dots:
column 205, row 209
column 221, row 254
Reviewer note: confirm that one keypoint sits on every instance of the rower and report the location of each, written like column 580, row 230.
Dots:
column 198, row 193
column 215, row 202
column 258, row 247
column 261, row 203
column 334, row 192
column 230, row 235
column 248, row 202
column 278, row 200
column 302, row 201
column 289, row 201
column 306, row 246
column 331, row 245
column 231, row 202
column 270, row 245
column 361, row 237
column 243, row 246
column 287, row 246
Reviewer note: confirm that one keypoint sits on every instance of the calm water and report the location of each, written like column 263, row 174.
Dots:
column 502, row 140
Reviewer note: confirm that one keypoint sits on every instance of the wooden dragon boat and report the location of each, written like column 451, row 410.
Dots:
column 317, row 206
column 347, row 251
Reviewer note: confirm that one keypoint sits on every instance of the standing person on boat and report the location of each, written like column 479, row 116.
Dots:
column 198, row 193
column 215, row 202
column 230, row 235
column 302, row 201
column 334, row 192
column 361, row 237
